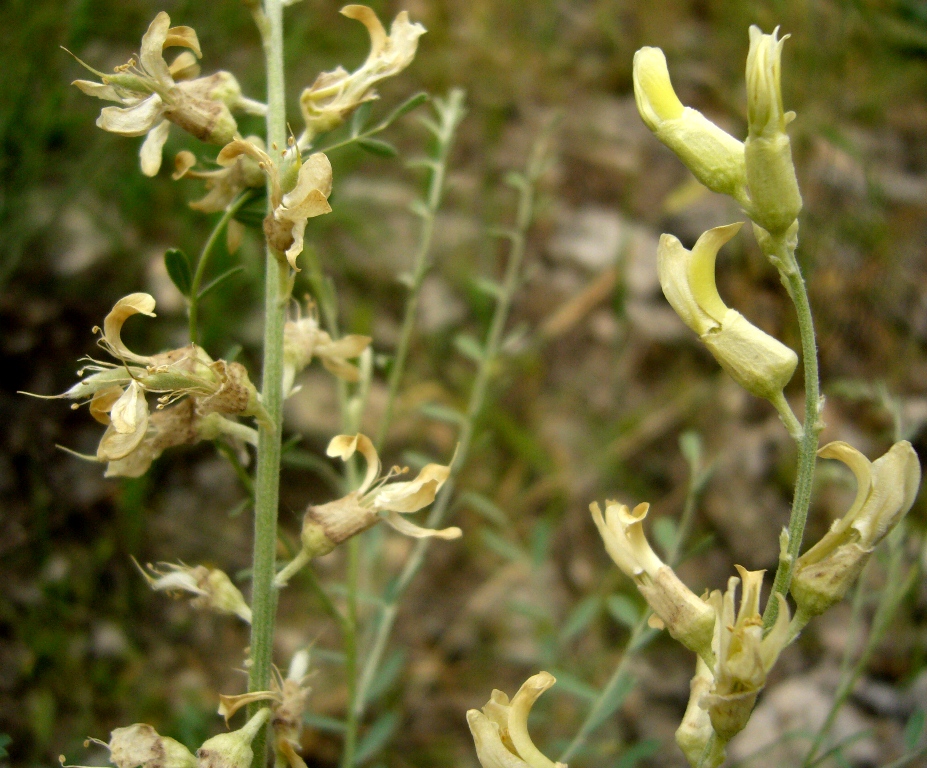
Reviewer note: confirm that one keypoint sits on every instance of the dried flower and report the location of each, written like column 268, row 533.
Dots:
column 335, row 94
column 743, row 656
column 303, row 339
column 759, row 363
column 773, row 188
column 687, row 618
column 299, row 192
column 211, row 588
column 327, row 525
column 141, row 746
column 500, row 731
column 225, row 184
column 153, row 95
column 885, row 491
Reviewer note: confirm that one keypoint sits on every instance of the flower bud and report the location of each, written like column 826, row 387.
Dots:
column 715, row 157
column 772, row 186
column 211, row 588
column 232, row 750
column 687, row 618
column 885, row 492
column 759, row 363
column 141, row 746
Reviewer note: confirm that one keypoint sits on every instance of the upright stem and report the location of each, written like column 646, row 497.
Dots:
column 267, row 480
column 784, row 256
column 450, row 114
column 441, row 507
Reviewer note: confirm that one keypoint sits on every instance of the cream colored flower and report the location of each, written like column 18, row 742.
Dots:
column 773, row 188
column 141, row 746
column 687, row 618
column 759, row 363
column 303, row 339
column 211, row 588
column 201, row 392
column 327, row 525
column 299, row 192
column 153, row 95
column 223, row 185
column 714, row 156
column 336, row 94
column 500, row 731
column 885, row 491
column 743, row 655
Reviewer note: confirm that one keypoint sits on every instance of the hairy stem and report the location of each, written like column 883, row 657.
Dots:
column 450, row 113
column 267, row 480
column 488, row 363
column 784, row 256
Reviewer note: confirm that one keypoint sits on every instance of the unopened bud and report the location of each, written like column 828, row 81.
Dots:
column 695, row 732
column 773, row 188
column 232, row 750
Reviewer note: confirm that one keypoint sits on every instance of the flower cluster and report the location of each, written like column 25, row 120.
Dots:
column 153, row 94
column 334, row 95
column 198, row 398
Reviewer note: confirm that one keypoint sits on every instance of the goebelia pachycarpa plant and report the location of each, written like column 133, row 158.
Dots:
column 151, row 403
column 201, row 398
column 735, row 643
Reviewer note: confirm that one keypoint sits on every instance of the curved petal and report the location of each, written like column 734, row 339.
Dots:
column 673, row 272
column 407, row 528
column 859, row 465
column 183, row 162
column 133, row 304
column 369, row 19
column 152, row 56
column 152, row 147
column 702, row 269
column 136, row 120
column 129, row 413
column 522, row 702
column 344, row 446
column 183, row 37
column 184, row 67
column 412, row 495
column 100, row 90
column 490, row 750
column 314, row 174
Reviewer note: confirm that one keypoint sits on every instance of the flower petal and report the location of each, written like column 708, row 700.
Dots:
column 150, row 153
column 100, row 90
column 183, row 37
column 130, row 411
column 344, row 446
column 369, row 19
column 407, row 528
column 412, row 495
column 522, row 702
column 152, row 56
column 490, row 750
column 184, row 67
column 133, row 304
column 136, row 120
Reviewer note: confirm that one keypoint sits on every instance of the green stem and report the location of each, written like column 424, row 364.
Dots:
column 205, row 257
column 441, row 507
column 450, row 114
column 641, row 634
column 784, row 255
column 267, row 479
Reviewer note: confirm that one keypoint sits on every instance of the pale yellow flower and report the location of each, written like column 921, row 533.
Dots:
column 299, row 191
column 500, row 730
column 153, row 94
column 885, row 491
column 687, row 617
column 759, row 363
column 336, row 94
column 211, row 588
column 743, row 656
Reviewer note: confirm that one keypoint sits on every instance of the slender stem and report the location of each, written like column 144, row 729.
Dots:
column 487, row 367
column 808, row 445
column 350, row 654
column 641, row 634
column 205, row 257
column 450, row 114
column 267, row 480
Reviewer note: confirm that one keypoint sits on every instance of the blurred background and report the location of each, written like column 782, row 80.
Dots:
column 599, row 380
